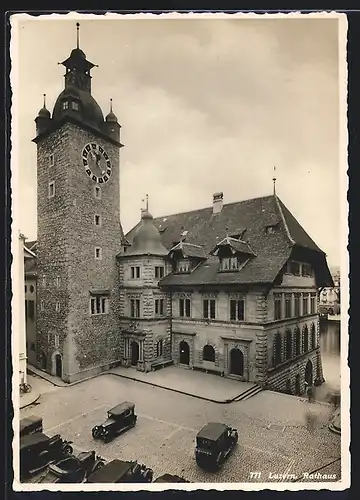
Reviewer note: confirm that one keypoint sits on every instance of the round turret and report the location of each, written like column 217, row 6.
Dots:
column 43, row 119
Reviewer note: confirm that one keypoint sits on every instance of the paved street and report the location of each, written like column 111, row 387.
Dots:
column 164, row 436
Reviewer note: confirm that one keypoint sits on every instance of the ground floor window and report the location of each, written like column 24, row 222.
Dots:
column 209, row 353
column 159, row 348
column 209, row 308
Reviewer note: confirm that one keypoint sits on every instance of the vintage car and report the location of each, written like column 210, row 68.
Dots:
column 118, row 471
column 170, row 478
column 119, row 419
column 30, row 425
column 214, row 442
column 73, row 469
column 38, row 450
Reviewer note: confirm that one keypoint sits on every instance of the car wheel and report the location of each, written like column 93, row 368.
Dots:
column 96, row 432
column 68, row 449
column 99, row 465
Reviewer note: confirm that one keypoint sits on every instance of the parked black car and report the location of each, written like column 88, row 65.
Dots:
column 118, row 471
column 30, row 425
column 119, row 419
column 38, row 450
column 214, row 442
column 170, row 478
column 73, row 469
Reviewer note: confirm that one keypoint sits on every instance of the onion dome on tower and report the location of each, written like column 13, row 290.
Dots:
column 147, row 239
column 43, row 119
column 112, row 126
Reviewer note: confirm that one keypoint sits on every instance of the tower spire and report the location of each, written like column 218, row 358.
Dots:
column 44, row 100
column 147, row 202
column 77, row 35
column 274, row 181
column 111, row 110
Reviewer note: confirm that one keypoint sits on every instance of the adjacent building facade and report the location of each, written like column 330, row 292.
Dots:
column 230, row 289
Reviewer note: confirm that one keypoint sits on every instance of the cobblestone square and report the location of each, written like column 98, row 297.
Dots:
column 164, row 436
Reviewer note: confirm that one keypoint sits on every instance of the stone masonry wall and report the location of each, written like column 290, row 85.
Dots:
column 67, row 237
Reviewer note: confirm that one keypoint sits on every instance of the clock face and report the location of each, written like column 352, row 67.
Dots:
column 96, row 162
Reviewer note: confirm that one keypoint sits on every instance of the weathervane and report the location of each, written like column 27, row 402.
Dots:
column 274, row 181
column 77, row 34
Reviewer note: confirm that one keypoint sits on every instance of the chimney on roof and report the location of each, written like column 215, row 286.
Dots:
column 217, row 202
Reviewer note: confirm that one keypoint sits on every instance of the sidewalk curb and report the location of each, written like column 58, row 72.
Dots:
column 38, row 373
column 224, row 402
column 31, row 402
column 203, row 398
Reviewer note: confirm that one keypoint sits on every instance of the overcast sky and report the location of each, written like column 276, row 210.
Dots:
column 205, row 105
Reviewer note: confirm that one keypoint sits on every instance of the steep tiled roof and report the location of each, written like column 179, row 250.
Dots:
column 271, row 249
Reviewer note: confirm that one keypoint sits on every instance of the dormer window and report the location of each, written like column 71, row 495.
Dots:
column 65, row 105
column 183, row 266
column 229, row 263
column 75, row 106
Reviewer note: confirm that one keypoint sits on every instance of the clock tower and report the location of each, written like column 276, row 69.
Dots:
column 79, row 229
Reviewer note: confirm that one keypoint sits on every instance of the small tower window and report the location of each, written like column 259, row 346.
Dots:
column 97, row 192
column 42, row 306
column 57, row 306
column 65, row 105
column 58, row 281
column 97, row 220
column 51, row 160
column 51, row 189
column 75, row 106
column 56, row 341
column 98, row 253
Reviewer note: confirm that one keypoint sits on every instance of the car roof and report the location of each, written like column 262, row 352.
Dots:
column 111, row 472
column 170, row 478
column 212, row 431
column 29, row 420
column 119, row 409
column 31, row 439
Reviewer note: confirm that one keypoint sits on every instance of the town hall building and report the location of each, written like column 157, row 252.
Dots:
column 231, row 289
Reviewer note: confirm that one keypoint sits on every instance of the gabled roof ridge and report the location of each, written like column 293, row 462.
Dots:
column 192, row 244
column 210, row 207
column 278, row 201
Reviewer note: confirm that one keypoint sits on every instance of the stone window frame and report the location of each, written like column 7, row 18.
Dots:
column 97, row 192
column 98, row 253
column 158, row 274
column 99, row 304
column 305, row 296
column 288, row 297
column 57, row 306
column 305, row 335
column 97, row 220
column 278, row 297
column 288, row 344
column 160, row 300
column 75, row 106
column 313, row 301
column 187, row 300
column 58, row 281
column 297, row 341
column 209, row 298
column 209, row 346
column 65, row 105
column 56, row 341
column 135, row 297
column 237, row 297
column 313, row 336
column 135, row 272
column 277, row 349
column 42, row 305
column 51, row 160
column 159, row 347
column 51, row 189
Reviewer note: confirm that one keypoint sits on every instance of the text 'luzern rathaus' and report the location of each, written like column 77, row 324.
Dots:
column 231, row 288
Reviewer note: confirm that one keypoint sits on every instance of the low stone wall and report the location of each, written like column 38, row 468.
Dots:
column 289, row 377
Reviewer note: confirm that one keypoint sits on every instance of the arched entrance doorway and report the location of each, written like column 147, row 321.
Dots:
column 309, row 373
column 58, row 365
column 184, row 350
column 236, row 362
column 134, row 347
column 297, row 385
